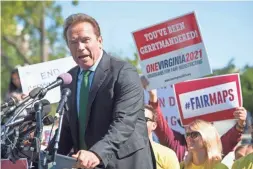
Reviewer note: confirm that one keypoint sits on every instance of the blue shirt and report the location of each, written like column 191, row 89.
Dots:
column 80, row 79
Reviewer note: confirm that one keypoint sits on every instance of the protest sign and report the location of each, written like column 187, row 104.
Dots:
column 210, row 99
column 172, row 51
column 42, row 74
column 167, row 103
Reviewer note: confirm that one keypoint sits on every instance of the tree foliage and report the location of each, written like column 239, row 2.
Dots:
column 29, row 34
column 246, row 78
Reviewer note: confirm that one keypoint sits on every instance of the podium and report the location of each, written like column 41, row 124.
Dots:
column 20, row 164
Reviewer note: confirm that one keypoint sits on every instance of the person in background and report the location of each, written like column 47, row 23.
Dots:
column 15, row 89
column 204, row 147
column 165, row 157
column 240, row 151
column 176, row 141
column 245, row 161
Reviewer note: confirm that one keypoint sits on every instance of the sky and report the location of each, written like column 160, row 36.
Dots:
column 226, row 27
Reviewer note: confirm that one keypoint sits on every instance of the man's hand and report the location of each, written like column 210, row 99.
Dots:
column 86, row 159
column 240, row 113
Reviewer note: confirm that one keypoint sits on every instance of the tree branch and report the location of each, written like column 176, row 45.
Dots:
column 6, row 60
column 16, row 46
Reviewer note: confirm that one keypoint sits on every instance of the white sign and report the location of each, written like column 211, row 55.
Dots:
column 211, row 99
column 200, row 104
column 167, row 102
column 172, row 51
column 42, row 74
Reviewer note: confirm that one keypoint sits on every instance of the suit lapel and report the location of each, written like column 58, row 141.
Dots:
column 73, row 114
column 98, row 79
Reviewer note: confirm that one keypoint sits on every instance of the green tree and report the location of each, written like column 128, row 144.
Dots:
column 229, row 68
column 246, row 78
column 29, row 34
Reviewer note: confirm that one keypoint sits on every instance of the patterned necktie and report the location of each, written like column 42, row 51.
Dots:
column 84, row 93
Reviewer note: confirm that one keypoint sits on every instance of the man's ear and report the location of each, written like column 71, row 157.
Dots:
column 100, row 40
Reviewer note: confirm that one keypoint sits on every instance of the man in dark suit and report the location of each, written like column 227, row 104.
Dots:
column 105, row 126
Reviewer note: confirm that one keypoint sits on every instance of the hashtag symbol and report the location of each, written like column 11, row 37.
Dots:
column 187, row 105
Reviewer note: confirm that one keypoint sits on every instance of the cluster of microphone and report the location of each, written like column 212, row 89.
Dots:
column 20, row 119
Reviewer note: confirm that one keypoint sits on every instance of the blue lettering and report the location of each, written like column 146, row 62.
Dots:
column 197, row 103
column 201, row 99
column 206, row 100
column 183, row 59
column 192, row 103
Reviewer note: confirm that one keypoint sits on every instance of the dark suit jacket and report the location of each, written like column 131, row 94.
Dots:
column 115, row 127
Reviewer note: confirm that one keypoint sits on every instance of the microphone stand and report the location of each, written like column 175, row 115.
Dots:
column 63, row 106
column 39, row 128
column 57, row 139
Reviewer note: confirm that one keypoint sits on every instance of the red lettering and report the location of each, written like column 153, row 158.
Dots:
column 172, row 101
column 224, row 94
column 161, row 102
column 148, row 68
column 173, row 120
column 212, row 98
column 219, row 98
column 230, row 92
column 156, row 67
column 153, row 67
column 196, row 55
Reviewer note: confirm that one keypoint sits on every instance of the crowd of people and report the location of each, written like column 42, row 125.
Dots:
column 115, row 128
column 201, row 146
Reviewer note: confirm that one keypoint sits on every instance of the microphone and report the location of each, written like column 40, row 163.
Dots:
column 11, row 110
column 10, row 102
column 63, row 79
column 48, row 120
column 31, row 116
column 65, row 94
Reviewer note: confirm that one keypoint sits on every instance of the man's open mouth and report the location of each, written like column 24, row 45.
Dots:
column 83, row 56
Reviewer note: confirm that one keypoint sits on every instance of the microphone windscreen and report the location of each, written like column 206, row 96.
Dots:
column 48, row 120
column 45, row 102
column 35, row 92
column 46, row 110
column 66, row 77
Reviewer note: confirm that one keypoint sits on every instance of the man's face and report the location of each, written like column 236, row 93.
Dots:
column 84, row 45
column 151, row 125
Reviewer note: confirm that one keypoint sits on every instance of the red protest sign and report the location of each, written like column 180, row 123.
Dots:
column 167, row 36
column 210, row 99
column 172, row 51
